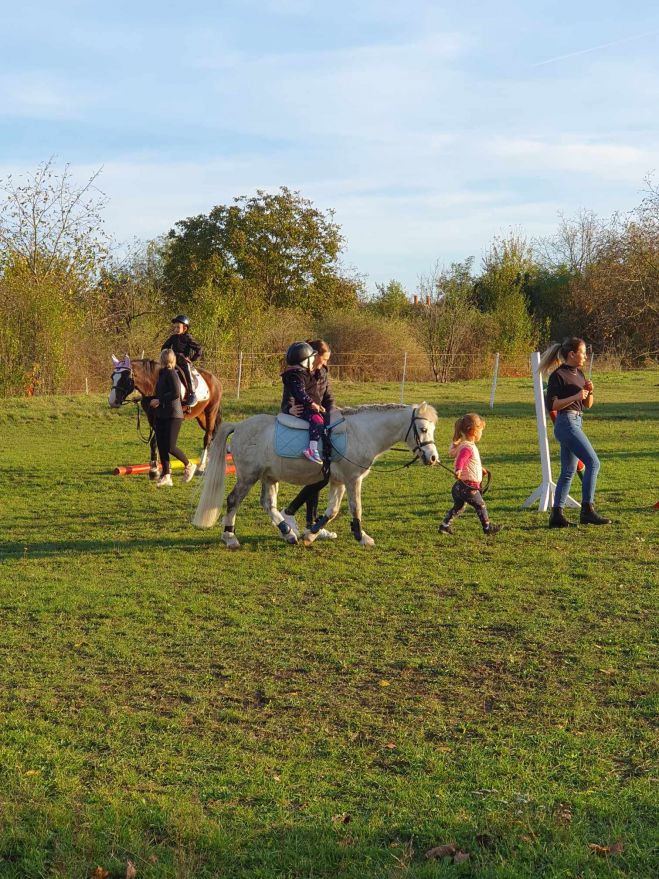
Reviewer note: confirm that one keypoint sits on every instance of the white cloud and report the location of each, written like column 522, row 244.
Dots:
column 37, row 94
column 603, row 160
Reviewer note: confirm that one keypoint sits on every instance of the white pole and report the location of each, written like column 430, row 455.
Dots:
column 86, row 385
column 590, row 368
column 494, row 380
column 544, row 493
column 402, row 381
column 240, row 374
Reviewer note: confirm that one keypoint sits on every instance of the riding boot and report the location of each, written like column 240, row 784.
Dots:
column 590, row 517
column 558, row 520
column 191, row 397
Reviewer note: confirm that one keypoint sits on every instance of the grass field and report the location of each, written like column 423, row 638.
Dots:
column 332, row 712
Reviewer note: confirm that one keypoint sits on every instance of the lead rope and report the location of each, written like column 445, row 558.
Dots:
column 145, row 440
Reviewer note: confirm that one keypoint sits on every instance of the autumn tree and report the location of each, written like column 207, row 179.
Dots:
column 447, row 320
column 51, row 248
column 391, row 300
column 278, row 249
column 508, row 269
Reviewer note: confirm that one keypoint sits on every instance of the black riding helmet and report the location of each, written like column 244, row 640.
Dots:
column 181, row 319
column 298, row 352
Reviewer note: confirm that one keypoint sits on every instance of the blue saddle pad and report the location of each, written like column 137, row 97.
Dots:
column 291, row 442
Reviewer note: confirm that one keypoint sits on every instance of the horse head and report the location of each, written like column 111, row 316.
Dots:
column 122, row 381
column 420, row 436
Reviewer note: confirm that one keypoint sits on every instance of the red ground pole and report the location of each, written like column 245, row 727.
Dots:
column 130, row 469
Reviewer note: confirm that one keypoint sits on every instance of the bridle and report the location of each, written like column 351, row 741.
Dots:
column 126, row 372
column 418, row 447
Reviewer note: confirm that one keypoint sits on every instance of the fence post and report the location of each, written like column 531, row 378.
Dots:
column 86, row 385
column 402, row 382
column 590, row 368
column 240, row 374
column 494, row 380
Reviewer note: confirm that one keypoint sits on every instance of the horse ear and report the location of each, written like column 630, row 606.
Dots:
column 115, row 360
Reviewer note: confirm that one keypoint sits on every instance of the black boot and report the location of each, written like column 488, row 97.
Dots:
column 557, row 519
column 590, row 517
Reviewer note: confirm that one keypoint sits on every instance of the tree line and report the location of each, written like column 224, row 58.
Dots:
column 265, row 269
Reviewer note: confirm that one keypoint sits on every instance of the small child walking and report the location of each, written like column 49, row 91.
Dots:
column 468, row 473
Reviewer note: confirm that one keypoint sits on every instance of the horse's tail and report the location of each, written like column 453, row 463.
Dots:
column 212, row 495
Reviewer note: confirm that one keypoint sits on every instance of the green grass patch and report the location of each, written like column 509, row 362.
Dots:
column 333, row 712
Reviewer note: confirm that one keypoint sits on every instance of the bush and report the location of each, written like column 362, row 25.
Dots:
column 368, row 347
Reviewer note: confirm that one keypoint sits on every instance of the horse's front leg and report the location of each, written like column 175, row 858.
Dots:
column 269, row 491
column 355, row 504
column 240, row 491
column 336, row 492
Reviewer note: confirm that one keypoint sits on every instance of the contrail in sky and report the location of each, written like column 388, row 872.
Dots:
column 595, row 48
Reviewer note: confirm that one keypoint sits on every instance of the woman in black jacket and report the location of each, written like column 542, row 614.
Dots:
column 318, row 388
column 169, row 418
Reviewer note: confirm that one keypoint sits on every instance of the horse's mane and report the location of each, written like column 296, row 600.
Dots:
column 425, row 409
column 149, row 366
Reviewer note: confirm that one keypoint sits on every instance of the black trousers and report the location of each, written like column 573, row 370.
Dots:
column 462, row 495
column 184, row 364
column 167, row 431
column 308, row 496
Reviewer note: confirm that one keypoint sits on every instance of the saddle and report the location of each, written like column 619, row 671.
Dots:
column 292, row 436
column 199, row 385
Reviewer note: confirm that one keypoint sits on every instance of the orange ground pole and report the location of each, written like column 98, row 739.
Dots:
column 131, row 469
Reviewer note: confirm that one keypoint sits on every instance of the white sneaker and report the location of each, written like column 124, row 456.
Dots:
column 324, row 534
column 164, row 481
column 189, row 472
column 291, row 522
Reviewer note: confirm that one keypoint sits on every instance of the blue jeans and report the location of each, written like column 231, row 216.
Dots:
column 575, row 445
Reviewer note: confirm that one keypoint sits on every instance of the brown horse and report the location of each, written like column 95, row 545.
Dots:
column 141, row 375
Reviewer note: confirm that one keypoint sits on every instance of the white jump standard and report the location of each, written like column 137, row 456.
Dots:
column 544, row 493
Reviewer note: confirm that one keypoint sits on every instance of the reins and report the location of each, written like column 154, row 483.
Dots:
column 448, row 470
column 146, row 440
column 415, row 458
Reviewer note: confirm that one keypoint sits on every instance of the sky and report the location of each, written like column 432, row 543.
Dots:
column 429, row 128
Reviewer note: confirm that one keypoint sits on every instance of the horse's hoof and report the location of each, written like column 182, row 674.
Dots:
column 230, row 540
column 308, row 537
column 367, row 541
column 291, row 538
column 154, row 474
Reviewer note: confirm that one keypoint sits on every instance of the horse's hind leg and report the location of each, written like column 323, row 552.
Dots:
column 203, row 422
column 209, row 426
column 269, row 504
column 240, row 491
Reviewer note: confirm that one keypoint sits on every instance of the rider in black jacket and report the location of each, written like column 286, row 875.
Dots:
column 187, row 350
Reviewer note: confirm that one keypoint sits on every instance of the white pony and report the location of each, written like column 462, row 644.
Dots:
column 371, row 431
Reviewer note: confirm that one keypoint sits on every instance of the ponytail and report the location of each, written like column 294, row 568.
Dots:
column 557, row 353
column 549, row 359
